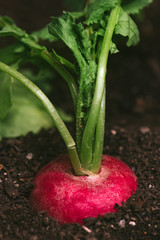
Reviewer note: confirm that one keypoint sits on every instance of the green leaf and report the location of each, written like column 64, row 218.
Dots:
column 12, row 53
column 65, row 117
column 8, row 56
column 77, row 38
column 27, row 114
column 43, row 34
column 126, row 27
column 113, row 48
column 29, row 41
column 77, row 15
column 97, row 8
column 43, row 78
column 63, row 61
column 9, row 28
column 5, row 94
column 134, row 6
column 64, row 29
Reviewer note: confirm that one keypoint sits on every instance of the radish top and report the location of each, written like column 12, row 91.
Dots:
column 90, row 34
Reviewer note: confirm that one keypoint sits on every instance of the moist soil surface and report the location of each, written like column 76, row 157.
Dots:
column 132, row 135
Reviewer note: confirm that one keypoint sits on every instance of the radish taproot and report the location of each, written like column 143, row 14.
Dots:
column 62, row 188
column 69, row 198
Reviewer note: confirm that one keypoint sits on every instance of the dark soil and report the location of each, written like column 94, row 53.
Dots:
column 21, row 158
column 132, row 134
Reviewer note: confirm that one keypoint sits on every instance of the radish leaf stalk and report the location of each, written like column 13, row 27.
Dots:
column 87, row 149
column 51, row 110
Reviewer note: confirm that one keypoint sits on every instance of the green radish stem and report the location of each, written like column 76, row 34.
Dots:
column 64, row 73
column 99, row 137
column 43, row 53
column 87, row 147
column 71, row 146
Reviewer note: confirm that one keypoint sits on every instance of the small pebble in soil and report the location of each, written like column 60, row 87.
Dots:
column 86, row 229
column 114, row 132
column 144, row 129
column 132, row 223
column 112, row 226
column 122, row 223
column 29, row 156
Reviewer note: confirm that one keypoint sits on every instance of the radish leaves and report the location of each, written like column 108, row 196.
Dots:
column 90, row 35
column 83, row 34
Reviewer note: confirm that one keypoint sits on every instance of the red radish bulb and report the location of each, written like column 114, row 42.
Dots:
column 69, row 198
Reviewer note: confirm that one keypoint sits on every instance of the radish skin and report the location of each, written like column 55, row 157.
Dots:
column 69, row 198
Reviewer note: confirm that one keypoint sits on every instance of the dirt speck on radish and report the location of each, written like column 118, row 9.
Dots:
column 69, row 198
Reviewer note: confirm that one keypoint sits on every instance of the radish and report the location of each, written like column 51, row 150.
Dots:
column 84, row 183
column 69, row 198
